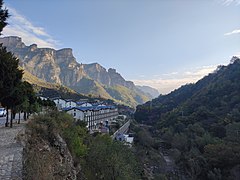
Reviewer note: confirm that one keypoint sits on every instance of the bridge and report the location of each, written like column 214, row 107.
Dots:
column 122, row 130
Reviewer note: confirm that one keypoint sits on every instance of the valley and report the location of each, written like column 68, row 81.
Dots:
column 120, row 90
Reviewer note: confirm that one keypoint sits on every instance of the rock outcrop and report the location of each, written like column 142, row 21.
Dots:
column 45, row 159
column 60, row 66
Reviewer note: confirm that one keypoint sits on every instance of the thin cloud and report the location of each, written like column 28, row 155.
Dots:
column 171, row 74
column 229, row 2
column 237, row 54
column 236, row 31
column 18, row 25
column 166, row 85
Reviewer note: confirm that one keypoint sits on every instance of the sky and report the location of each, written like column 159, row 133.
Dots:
column 160, row 43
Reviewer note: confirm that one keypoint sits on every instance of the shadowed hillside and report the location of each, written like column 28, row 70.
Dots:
column 200, row 122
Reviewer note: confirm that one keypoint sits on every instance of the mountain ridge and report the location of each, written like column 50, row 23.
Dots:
column 60, row 66
column 200, row 124
column 152, row 92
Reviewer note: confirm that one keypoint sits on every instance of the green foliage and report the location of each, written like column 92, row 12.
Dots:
column 201, row 122
column 10, row 75
column 223, row 155
column 215, row 174
column 100, row 156
column 233, row 132
column 14, row 93
column 3, row 16
column 74, row 137
column 117, row 93
column 144, row 138
column 109, row 159
column 46, row 103
column 91, row 87
column 49, row 124
column 125, row 95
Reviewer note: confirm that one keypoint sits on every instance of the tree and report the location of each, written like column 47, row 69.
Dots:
column 10, row 74
column 233, row 132
column 27, row 102
column 29, row 105
column 10, row 77
column 3, row 16
column 14, row 100
column 109, row 159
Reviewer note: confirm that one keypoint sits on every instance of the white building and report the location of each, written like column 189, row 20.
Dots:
column 43, row 98
column 70, row 103
column 94, row 116
column 60, row 103
column 84, row 104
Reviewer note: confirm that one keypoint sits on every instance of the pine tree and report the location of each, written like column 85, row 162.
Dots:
column 3, row 16
column 10, row 74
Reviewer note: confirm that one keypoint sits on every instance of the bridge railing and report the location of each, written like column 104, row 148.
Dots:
column 122, row 129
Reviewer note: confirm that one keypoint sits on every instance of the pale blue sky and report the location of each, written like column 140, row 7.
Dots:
column 162, row 43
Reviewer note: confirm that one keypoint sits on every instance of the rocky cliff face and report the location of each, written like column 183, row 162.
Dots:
column 46, row 155
column 60, row 66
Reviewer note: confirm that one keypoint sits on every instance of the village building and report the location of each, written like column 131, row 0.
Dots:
column 70, row 103
column 83, row 104
column 60, row 103
column 96, row 117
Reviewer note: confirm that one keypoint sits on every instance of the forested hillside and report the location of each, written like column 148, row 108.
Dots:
column 201, row 122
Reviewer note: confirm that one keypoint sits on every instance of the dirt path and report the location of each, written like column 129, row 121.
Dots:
column 11, row 152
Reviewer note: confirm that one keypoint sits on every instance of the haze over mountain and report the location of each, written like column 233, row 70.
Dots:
column 210, row 92
column 153, row 93
column 60, row 66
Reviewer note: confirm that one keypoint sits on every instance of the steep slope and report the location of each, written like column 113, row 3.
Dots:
column 216, row 85
column 51, row 89
column 90, row 87
column 125, row 95
column 200, row 123
column 60, row 66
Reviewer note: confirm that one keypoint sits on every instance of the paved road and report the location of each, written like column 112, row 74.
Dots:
column 3, row 119
column 11, row 152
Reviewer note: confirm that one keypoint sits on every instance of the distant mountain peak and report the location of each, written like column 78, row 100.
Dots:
column 65, row 52
column 60, row 66
column 13, row 42
column 33, row 47
column 111, row 70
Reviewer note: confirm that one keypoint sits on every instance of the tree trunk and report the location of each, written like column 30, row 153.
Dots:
column 14, row 114
column 25, row 116
column 11, row 120
column 19, row 117
column 6, row 124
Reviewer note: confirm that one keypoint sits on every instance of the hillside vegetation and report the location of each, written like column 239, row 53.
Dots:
column 125, row 95
column 51, row 89
column 50, row 138
column 201, row 123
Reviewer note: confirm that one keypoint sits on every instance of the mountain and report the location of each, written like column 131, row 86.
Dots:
column 60, row 66
column 151, row 92
column 200, row 123
column 208, row 91
column 51, row 90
